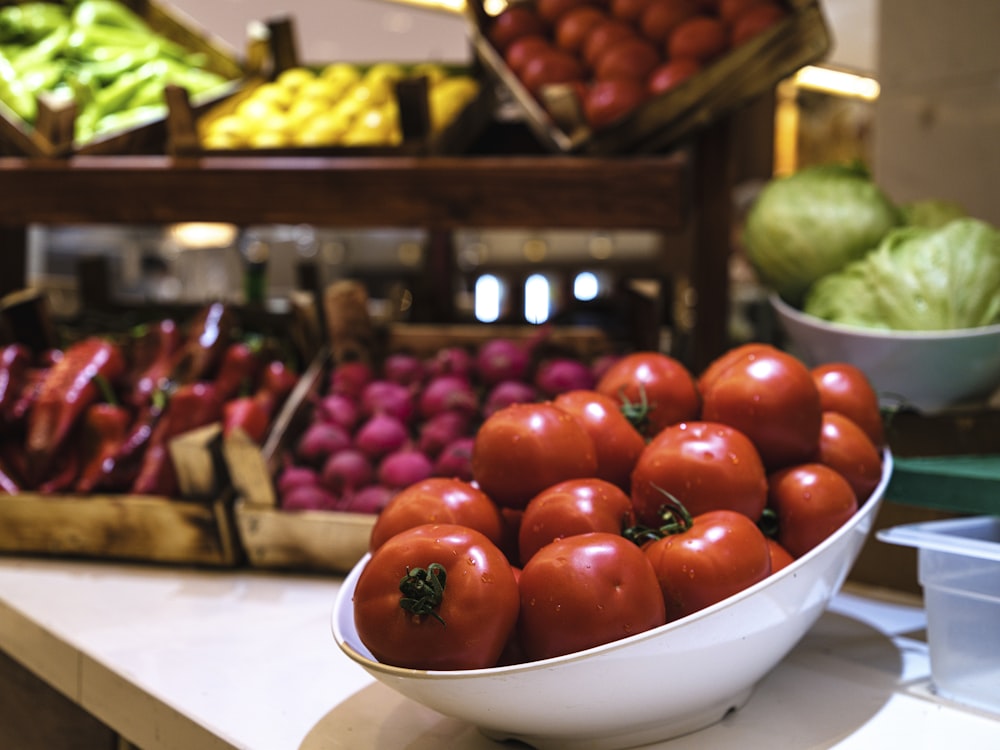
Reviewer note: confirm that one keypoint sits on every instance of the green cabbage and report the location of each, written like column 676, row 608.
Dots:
column 917, row 279
column 814, row 222
column 932, row 213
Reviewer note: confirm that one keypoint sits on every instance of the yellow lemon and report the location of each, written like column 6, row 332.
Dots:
column 293, row 78
column 227, row 129
column 324, row 129
column 304, row 110
column 342, row 72
column 372, row 93
column 329, row 90
column 269, row 139
column 275, row 94
column 385, row 73
column 221, row 141
column 255, row 108
column 373, row 128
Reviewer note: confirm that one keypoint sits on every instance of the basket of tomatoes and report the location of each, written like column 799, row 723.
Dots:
column 617, row 76
column 620, row 532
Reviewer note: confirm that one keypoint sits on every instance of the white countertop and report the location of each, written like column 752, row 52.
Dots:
column 177, row 659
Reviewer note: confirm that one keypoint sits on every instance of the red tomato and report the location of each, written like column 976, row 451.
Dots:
column 845, row 447
column 551, row 11
column 602, row 36
column 780, row 557
column 576, row 506
column 846, row 389
column 703, row 465
column 437, row 596
column 586, row 590
column 628, row 10
column 655, row 385
column 523, row 49
column 713, row 556
column 632, row 58
column 550, row 66
column 438, row 500
column 524, row 448
column 661, row 17
column 769, row 396
column 811, row 501
column 671, row 74
column 755, row 21
column 724, row 360
column 608, row 102
column 573, row 26
column 617, row 443
column 513, row 22
column 703, row 38
column 730, row 10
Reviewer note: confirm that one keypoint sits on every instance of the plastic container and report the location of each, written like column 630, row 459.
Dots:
column 959, row 569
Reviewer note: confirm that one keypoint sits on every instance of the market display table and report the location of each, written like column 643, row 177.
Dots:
column 177, row 659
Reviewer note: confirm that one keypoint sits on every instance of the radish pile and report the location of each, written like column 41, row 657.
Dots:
column 372, row 432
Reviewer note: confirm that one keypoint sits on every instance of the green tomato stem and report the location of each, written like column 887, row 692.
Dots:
column 423, row 590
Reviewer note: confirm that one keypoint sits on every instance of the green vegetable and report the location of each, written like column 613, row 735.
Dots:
column 931, row 213
column 918, row 279
column 26, row 23
column 814, row 222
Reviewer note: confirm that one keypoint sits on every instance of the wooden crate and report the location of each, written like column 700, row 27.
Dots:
column 275, row 51
column 745, row 73
column 52, row 134
column 335, row 541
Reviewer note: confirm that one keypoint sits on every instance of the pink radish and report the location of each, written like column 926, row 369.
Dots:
column 381, row 434
column 508, row 392
column 447, row 393
column 502, row 359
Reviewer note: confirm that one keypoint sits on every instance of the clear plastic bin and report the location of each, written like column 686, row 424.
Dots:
column 959, row 569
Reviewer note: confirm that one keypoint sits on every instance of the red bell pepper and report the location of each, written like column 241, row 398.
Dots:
column 121, row 469
column 252, row 414
column 66, row 471
column 104, row 430
column 69, row 387
column 190, row 406
column 14, row 362
column 278, row 379
column 160, row 344
column 208, row 335
column 239, row 370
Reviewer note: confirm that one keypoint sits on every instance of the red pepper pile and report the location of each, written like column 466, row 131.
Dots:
column 99, row 416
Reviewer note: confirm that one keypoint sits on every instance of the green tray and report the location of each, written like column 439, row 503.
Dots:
column 959, row 484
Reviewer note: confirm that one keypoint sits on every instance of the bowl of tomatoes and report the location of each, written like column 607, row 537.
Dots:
column 710, row 558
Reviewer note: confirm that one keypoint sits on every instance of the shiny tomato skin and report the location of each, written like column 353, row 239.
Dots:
column 722, row 553
column 576, row 506
column 771, row 397
column 755, row 21
column 610, row 101
column 658, row 380
column 719, row 365
column 583, row 591
column 602, row 36
column 523, row 448
column 846, row 389
column 705, row 465
column 811, row 502
column 845, row 447
column 660, row 17
column 618, row 444
column 671, row 74
column 479, row 606
column 703, row 38
column 438, row 500
column 780, row 557
column 514, row 22
column 572, row 27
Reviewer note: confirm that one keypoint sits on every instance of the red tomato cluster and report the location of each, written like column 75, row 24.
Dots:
column 606, row 512
column 618, row 53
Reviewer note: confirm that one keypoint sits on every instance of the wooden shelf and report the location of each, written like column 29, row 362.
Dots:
column 683, row 195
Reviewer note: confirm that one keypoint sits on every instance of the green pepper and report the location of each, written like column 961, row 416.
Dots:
column 130, row 118
column 29, row 22
column 15, row 94
column 107, row 13
column 43, row 51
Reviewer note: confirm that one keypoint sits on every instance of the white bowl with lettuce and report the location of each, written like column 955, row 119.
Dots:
column 918, row 309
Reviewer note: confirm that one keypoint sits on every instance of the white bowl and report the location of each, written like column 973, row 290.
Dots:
column 628, row 692
column 926, row 370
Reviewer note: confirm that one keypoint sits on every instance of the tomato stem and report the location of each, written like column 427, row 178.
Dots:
column 637, row 413
column 423, row 590
column 676, row 520
column 768, row 523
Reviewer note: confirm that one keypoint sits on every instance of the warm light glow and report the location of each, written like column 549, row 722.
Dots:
column 837, row 82
column 198, row 235
column 452, row 6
